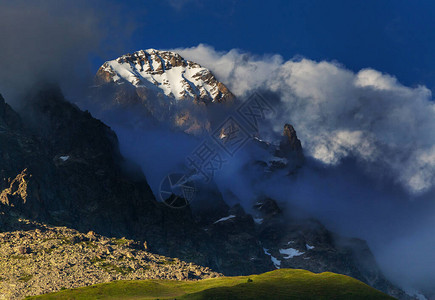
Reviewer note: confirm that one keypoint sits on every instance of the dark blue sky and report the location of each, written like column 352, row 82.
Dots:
column 396, row 37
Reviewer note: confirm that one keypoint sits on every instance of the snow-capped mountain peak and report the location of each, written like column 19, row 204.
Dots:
column 174, row 76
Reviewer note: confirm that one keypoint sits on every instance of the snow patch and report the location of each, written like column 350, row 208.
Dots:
column 258, row 220
column 141, row 68
column 276, row 262
column 64, row 157
column 290, row 252
column 309, row 247
column 276, row 160
column 225, row 219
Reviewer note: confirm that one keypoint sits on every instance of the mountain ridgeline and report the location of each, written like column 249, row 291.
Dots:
column 163, row 86
column 61, row 166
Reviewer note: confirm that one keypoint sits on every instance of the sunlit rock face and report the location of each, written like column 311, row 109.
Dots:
column 162, row 85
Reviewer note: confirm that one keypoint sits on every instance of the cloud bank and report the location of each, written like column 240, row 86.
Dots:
column 370, row 145
column 338, row 114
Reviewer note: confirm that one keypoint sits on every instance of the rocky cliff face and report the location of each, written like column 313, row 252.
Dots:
column 290, row 146
column 307, row 244
column 286, row 155
column 9, row 119
column 162, row 85
column 63, row 167
column 59, row 165
column 289, row 242
column 71, row 167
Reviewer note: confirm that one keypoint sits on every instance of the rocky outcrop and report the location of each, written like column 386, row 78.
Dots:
column 286, row 155
column 16, row 193
column 289, row 146
column 42, row 259
column 235, row 233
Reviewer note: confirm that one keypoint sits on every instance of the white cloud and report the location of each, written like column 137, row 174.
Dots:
column 240, row 71
column 338, row 113
column 374, row 79
column 335, row 145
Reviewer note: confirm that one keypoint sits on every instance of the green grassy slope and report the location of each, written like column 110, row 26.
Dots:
column 278, row 284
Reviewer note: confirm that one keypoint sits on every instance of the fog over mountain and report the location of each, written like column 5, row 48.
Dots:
column 371, row 145
column 368, row 140
column 368, row 115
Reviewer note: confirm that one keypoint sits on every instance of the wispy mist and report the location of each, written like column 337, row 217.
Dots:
column 388, row 127
column 54, row 41
column 368, row 141
column 370, row 147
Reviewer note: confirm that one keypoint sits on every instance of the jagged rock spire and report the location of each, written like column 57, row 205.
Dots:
column 290, row 140
column 290, row 146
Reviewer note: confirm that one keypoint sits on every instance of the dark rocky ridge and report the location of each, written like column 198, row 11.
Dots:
column 287, row 155
column 290, row 146
column 69, row 172
column 317, row 249
column 74, row 178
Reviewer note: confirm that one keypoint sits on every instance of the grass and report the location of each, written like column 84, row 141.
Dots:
column 25, row 277
column 119, row 242
column 168, row 262
column 278, row 284
column 110, row 268
column 96, row 260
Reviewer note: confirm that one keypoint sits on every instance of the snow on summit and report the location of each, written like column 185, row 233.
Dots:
column 174, row 76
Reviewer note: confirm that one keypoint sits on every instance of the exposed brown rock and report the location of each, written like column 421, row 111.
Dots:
column 17, row 190
column 46, row 259
column 290, row 147
column 291, row 142
column 148, row 96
